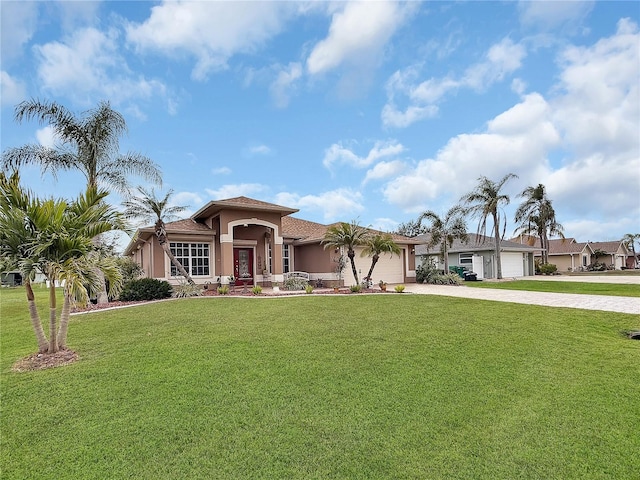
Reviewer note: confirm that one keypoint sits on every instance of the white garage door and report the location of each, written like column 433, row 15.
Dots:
column 512, row 264
column 388, row 268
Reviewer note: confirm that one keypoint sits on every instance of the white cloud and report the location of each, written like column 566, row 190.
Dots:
column 191, row 200
column 333, row 205
column 212, row 32
column 18, row 24
column 12, row 91
column 221, row 171
column 357, row 34
column 260, row 150
column 88, row 65
column 337, row 153
column 46, row 136
column 284, row 86
column 237, row 190
column 384, row 170
column 501, row 59
column 547, row 15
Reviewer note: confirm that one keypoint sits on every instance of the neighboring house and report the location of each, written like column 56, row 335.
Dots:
column 258, row 243
column 477, row 254
column 616, row 254
column 571, row 256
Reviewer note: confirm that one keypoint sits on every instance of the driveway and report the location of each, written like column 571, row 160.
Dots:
column 569, row 300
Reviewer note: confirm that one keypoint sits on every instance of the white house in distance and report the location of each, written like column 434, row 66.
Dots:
column 477, row 255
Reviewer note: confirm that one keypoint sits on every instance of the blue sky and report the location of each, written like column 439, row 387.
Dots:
column 374, row 111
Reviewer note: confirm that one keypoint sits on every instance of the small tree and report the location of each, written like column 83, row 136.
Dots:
column 349, row 236
column 375, row 246
column 149, row 208
column 444, row 230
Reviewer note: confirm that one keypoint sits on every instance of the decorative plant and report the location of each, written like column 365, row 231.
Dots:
column 399, row 288
column 223, row 290
column 257, row 290
column 232, row 279
column 355, row 288
column 308, row 289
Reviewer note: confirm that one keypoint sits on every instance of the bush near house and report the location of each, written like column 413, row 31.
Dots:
column 547, row 269
column 429, row 273
column 145, row 289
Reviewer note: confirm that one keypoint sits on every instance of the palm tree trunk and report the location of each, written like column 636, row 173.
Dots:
column 53, row 344
column 36, row 323
column 102, row 296
column 351, row 254
column 374, row 260
column 496, row 229
column 64, row 321
column 445, row 257
column 176, row 263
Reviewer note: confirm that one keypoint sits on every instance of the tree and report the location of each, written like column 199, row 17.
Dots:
column 56, row 238
column 444, row 230
column 537, row 218
column 349, row 236
column 629, row 241
column 88, row 143
column 486, row 201
column 412, row 228
column 376, row 245
column 149, row 208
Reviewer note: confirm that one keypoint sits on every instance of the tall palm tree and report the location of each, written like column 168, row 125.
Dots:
column 536, row 218
column 149, row 208
column 376, row 245
column 444, row 230
column 630, row 240
column 88, row 143
column 349, row 236
column 57, row 239
column 485, row 201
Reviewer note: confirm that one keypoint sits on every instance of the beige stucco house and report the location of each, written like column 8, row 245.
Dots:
column 258, row 243
column 571, row 256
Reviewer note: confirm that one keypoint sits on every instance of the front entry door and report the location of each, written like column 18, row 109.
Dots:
column 243, row 266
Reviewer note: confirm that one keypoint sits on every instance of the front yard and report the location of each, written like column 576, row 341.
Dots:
column 354, row 386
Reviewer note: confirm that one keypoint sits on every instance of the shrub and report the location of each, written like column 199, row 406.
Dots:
column 399, row 288
column 355, row 288
column 130, row 269
column 257, row 290
column 145, row 289
column 308, row 289
column 548, row 268
column 295, row 283
column 185, row 290
column 223, row 290
column 428, row 273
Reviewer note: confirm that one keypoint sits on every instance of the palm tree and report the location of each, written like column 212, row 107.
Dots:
column 537, row 218
column 349, row 236
column 486, row 201
column 444, row 230
column 149, row 208
column 57, row 239
column 88, row 143
column 376, row 245
column 629, row 241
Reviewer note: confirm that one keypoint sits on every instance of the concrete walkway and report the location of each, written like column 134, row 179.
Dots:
column 568, row 300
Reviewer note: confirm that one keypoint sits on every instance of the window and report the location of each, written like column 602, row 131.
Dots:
column 466, row 259
column 194, row 257
column 285, row 259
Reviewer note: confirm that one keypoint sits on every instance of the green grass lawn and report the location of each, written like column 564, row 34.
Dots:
column 615, row 289
column 312, row 387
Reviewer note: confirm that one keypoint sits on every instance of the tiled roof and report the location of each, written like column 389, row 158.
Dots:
column 474, row 243
column 303, row 230
column 243, row 203
column 608, row 247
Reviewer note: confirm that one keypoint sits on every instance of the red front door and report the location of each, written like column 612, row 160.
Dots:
column 243, row 266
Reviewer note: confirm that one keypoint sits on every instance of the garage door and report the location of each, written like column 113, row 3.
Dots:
column 512, row 264
column 389, row 268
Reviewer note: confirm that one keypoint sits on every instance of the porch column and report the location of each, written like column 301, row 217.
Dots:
column 276, row 258
column 226, row 256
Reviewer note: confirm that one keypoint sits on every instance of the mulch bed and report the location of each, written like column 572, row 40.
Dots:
column 41, row 361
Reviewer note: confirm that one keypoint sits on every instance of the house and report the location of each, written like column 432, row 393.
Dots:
column 258, row 243
column 477, row 254
column 571, row 256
